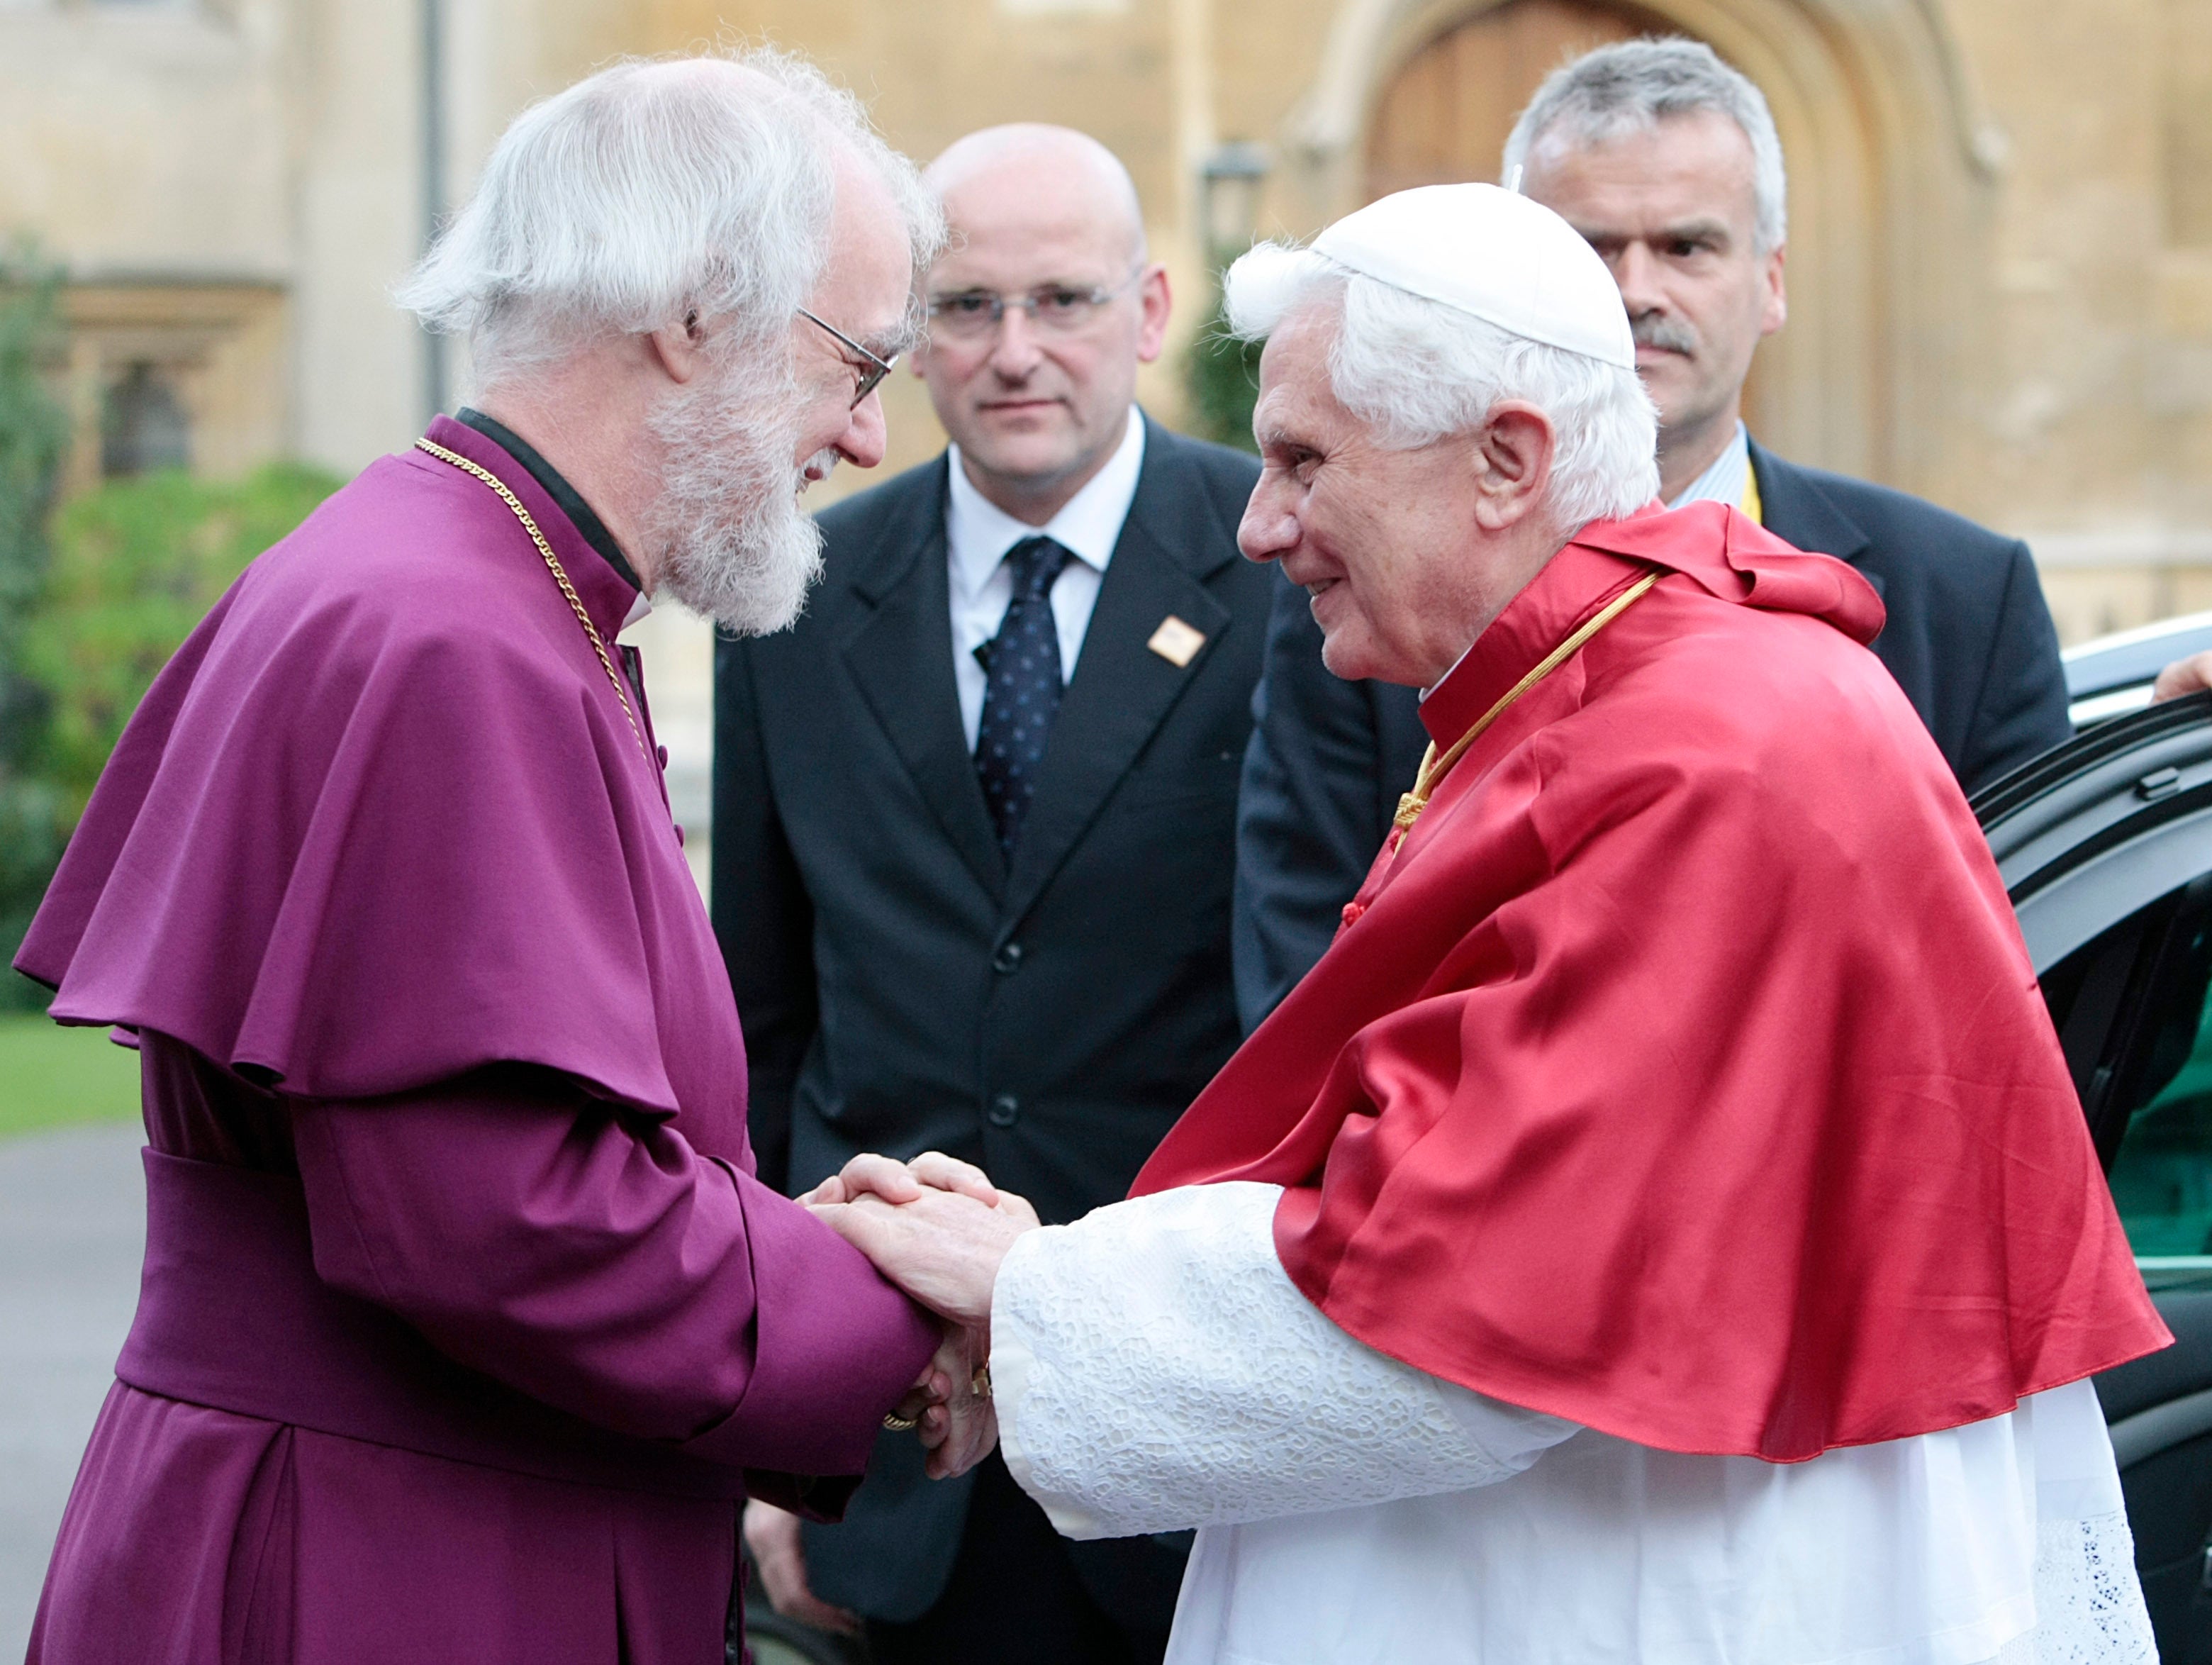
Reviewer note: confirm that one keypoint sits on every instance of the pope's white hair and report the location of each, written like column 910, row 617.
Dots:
column 652, row 190
column 1629, row 86
column 1415, row 371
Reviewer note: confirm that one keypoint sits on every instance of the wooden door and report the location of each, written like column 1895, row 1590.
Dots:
column 1445, row 116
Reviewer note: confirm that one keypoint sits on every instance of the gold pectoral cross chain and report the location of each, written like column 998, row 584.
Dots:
column 1434, row 768
column 560, row 576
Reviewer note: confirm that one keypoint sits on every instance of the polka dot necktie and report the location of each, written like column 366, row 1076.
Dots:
column 1021, row 689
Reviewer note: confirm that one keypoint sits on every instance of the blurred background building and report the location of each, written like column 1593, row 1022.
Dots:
column 2000, row 250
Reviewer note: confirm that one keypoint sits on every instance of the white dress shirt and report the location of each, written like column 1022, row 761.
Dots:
column 978, row 534
column 1722, row 483
column 1155, row 1368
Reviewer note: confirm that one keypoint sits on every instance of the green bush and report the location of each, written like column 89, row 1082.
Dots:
column 93, row 597
column 1222, row 377
column 51, row 1076
column 33, row 439
column 134, row 566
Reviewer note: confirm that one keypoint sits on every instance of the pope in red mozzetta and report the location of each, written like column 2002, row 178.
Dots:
column 1662, row 1228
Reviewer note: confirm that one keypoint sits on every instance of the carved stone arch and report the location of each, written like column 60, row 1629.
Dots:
column 1890, row 169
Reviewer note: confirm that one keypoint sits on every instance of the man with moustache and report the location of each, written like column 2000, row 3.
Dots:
column 1666, row 161
column 465, row 1328
column 974, row 829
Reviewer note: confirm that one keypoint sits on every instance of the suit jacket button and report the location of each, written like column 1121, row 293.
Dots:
column 1008, row 956
column 1004, row 1110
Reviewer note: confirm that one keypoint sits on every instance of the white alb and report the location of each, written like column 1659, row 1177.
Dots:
column 1156, row 1370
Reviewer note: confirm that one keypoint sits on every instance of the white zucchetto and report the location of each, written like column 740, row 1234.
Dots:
column 1495, row 255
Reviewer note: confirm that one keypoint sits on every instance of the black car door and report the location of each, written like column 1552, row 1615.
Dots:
column 2105, row 847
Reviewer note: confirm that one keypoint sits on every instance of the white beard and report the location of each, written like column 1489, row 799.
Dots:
column 729, row 538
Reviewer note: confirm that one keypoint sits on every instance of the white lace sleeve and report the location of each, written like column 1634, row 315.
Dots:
column 1156, row 1369
column 2088, row 1603
column 2089, row 1606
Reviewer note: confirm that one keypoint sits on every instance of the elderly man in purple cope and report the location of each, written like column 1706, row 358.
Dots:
column 465, row 1327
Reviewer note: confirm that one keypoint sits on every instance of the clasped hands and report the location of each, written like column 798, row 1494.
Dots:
column 939, row 1229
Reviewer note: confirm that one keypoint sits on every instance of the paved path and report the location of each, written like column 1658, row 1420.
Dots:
column 72, row 1227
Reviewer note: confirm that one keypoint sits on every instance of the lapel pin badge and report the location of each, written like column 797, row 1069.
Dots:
column 1176, row 642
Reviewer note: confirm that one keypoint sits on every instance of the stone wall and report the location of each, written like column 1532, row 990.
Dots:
column 2002, row 222
column 2001, row 219
column 2001, row 249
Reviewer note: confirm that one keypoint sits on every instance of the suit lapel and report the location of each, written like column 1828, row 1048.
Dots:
column 899, row 654
column 1122, row 689
column 1797, row 510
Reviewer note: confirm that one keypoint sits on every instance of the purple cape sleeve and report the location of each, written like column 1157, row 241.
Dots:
column 589, row 1258
column 379, row 823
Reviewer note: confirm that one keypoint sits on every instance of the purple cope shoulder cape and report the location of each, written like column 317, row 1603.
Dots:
column 463, row 1319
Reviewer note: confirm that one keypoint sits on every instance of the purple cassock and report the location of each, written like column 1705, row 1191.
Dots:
column 464, row 1326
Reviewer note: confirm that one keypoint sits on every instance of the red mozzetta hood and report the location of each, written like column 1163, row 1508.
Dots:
column 1682, row 1073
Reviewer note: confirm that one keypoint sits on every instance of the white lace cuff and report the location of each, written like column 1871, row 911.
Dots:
column 2089, row 1606
column 1156, row 1369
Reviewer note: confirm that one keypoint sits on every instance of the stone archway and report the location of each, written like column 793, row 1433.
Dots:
column 1890, row 176
column 1444, row 112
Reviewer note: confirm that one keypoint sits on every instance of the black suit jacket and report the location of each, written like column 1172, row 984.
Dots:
column 902, row 989
column 1969, row 639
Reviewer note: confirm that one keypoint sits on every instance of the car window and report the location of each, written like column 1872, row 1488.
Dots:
column 2162, row 1175
column 2131, row 1008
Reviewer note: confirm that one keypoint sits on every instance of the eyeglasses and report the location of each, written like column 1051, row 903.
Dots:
column 1058, row 308
column 871, row 374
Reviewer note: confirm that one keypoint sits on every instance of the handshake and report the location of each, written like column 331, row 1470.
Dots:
column 937, row 1228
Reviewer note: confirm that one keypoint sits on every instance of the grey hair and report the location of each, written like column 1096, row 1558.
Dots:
column 1415, row 371
column 653, row 191
column 1629, row 86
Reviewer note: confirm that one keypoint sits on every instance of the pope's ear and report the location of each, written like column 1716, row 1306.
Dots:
column 1512, row 464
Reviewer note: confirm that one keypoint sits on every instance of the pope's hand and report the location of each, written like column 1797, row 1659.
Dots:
column 903, row 1181
column 949, row 1406
column 941, row 1247
column 934, row 1386
column 959, row 1428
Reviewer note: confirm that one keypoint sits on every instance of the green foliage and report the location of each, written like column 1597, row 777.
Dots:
column 51, row 1077
column 136, row 565
column 33, row 439
column 1222, row 377
column 34, row 428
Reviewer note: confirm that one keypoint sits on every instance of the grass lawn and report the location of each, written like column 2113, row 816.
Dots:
column 50, row 1075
